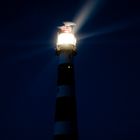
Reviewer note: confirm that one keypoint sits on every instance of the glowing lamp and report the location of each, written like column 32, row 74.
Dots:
column 66, row 39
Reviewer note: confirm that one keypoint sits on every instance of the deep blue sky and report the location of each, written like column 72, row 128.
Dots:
column 107, row 69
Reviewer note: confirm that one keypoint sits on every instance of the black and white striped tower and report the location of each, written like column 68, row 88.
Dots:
column 66, row 115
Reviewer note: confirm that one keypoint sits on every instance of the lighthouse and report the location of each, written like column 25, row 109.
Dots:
column 65, row 125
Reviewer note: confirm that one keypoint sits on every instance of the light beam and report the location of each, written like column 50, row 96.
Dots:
column 110, row 29
column 89, row 8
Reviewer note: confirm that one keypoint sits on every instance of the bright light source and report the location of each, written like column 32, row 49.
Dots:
column 66, row 39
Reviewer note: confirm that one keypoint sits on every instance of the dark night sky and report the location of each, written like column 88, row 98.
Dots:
column 107, row 69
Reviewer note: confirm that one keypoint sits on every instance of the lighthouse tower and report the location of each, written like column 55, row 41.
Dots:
column 65, row 127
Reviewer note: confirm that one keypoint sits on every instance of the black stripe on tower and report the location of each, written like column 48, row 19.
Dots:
column 66, row 137
column 65, row 74
column 65, row 109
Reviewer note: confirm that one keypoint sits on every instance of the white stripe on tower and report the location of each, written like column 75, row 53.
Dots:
column 62, row 128
column 65, row 90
